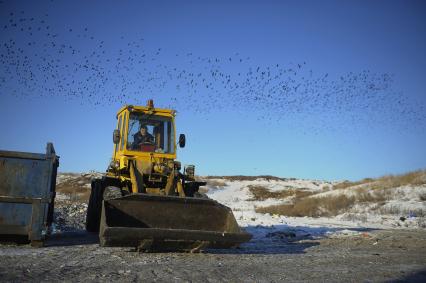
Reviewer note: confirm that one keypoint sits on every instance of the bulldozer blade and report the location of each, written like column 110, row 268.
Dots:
column 158, row 223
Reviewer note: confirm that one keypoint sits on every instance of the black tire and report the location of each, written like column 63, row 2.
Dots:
column 112, row 192
column 93, row 216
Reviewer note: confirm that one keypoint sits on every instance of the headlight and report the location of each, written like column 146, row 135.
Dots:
column 190, row 171
column 114, row 164
column 178, row 165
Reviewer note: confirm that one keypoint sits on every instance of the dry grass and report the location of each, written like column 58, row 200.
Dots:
column 376, row 196
column 312, row 207
column 414, row 178
column 250, row 178
column 215, row 183
column 77, row 186
column 77, row 193
column 261, row 193
column 347, row 184
column 326, row 188
column 330, row 205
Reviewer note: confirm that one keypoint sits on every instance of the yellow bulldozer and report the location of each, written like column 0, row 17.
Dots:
column 146, row 200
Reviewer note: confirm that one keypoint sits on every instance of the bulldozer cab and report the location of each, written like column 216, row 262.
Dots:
column 150, row 133
column 144, row 131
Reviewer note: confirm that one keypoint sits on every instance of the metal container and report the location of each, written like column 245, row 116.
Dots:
column 27, row 193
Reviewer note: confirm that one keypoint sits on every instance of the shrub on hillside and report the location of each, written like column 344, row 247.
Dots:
column 261, row 193
column 311, row 206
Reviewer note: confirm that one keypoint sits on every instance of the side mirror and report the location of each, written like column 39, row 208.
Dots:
column 182, row 140
column 116, row 136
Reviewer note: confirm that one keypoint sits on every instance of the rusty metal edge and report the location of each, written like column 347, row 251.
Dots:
column 22, row 155
column 24, row 199
column 128, row 237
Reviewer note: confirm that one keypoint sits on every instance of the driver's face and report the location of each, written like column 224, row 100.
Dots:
column 143, row 131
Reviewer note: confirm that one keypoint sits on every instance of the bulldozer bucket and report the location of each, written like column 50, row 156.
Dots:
column 152, row 222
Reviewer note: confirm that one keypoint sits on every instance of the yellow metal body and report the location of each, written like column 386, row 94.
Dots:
column 126, row 160
column 146, row 201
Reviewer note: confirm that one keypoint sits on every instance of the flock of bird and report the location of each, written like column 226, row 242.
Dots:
column 38, row 59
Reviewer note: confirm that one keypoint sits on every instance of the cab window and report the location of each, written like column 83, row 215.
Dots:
column 119, row 126
column 123, row 131
column 150, row 133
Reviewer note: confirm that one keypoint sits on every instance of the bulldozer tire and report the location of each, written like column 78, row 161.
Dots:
column 94, row 207
column 112, row 192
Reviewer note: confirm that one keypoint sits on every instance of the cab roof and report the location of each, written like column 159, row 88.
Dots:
column 147, row 109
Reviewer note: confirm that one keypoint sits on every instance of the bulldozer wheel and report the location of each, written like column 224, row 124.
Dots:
column 94, row 207
column 112, row 192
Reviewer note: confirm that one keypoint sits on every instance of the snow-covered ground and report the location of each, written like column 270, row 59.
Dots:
column 357, row 220
column 403, row 207
column 77, row 179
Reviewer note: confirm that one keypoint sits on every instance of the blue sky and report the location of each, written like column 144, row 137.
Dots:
column 309, row 89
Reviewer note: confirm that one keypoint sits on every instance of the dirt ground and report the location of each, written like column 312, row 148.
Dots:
column 373, row 256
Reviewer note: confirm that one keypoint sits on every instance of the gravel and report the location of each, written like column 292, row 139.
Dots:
column 71, row 254
column 374, row 256
column 69, row 216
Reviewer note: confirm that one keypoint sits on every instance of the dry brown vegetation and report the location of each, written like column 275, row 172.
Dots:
column 250, row 178
column 261, row 193
column 77, row 193
column 76, row 187
column 329, row 205
column 414, row 178
column 310, row 206
column 371, row 191
column 368, row 190
column 347, row 184
column 215, row 183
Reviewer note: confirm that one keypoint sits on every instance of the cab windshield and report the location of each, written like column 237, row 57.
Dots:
column 150, row 133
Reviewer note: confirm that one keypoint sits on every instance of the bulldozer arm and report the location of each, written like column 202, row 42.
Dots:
column 152, row 222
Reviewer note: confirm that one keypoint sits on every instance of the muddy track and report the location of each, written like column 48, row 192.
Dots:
column 376, row 256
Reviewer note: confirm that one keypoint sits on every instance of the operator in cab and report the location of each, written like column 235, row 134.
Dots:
column 142, row 137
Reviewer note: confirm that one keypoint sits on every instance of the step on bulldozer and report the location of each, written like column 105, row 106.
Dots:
column 145, row 200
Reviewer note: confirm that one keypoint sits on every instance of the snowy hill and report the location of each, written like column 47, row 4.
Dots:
column 271, row 207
